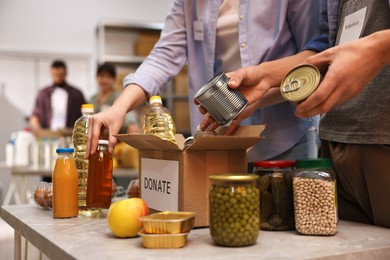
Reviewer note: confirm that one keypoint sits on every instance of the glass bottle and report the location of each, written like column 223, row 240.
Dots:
column 234, row 209
column 79, row 138
column 65, row 185
column 99, row 184
column 158, row 120
column 315, row 198
column 276, row 194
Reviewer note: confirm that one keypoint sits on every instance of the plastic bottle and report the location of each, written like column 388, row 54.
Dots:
column 65, row 180
column 10, row 150
column 79, row 140
column 46, row 153
column 23, row 141
column 34, row 155
column 158, row 120
column 99, row 184
column 54, row 145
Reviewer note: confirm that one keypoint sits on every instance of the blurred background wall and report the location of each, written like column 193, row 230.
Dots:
column 33, row 33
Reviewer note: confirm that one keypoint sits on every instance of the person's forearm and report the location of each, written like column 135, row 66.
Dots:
column 131, row 97
column 282, row 66
column 381, row 41
column 272, row 97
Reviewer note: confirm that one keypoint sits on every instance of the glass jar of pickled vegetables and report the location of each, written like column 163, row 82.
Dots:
column 276, row 194
column 315, row 197
column 234, row 209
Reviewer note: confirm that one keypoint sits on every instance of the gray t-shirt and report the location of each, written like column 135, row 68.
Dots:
column 365, row 118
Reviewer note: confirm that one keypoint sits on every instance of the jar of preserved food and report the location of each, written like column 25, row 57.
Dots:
column 276, row 195
column 234, row 209
column 315, row 198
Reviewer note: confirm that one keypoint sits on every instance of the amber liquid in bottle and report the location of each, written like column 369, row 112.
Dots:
column 99, row 184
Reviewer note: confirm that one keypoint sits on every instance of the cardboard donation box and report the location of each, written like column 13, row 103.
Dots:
column 175, row 178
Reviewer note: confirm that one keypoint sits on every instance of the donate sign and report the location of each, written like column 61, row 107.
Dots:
column 159, row 184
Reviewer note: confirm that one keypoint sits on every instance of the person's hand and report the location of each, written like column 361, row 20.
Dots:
column 255, row 81
column 112, row 120
column 351, row 66
column 210, row 124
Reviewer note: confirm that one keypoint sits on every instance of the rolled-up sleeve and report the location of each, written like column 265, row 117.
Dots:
column 321, row 42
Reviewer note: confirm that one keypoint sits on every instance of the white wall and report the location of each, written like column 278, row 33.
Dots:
column 67, row 26
column 33, row 32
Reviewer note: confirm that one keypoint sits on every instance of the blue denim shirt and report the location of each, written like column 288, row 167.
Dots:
column 267, row 31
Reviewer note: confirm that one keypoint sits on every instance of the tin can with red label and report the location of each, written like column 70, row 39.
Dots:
column 300, row 83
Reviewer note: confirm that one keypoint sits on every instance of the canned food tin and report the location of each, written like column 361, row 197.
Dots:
column 222, row 102
column 300, row 82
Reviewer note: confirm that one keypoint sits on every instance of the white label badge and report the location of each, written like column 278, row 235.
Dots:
column 353, row 26
column 160, row 184
column 198, row 31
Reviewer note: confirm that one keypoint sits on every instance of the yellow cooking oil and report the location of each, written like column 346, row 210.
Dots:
column 158, row 120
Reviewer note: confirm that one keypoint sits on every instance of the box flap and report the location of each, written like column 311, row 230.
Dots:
column 243, row 138
column 150, row 142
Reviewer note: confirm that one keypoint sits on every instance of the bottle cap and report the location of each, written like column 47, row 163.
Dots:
column 103, row 142
column 87, row 108
column 64, row 150
column 314, row 163
column 155, row 99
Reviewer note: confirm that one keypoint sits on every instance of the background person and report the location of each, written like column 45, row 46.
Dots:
column 106, row 95
column 58, row 105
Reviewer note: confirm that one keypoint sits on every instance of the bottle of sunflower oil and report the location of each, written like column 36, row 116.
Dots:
column 158, row 120
column 79, row 138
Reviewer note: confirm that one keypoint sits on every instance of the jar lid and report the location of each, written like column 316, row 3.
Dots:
column 273, row 164
column 314, row 163
column 233, row 177
column 64, row 150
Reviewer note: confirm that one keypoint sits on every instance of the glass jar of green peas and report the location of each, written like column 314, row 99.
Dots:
column 234, row 209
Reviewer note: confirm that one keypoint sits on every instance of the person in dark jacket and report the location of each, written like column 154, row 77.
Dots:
column 58, row 105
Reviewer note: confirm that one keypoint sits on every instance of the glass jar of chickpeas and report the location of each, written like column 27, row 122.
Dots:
column 315, row 197
column 234, row 209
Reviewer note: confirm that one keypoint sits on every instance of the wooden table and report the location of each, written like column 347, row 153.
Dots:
column 18, row 187
column 82, row 238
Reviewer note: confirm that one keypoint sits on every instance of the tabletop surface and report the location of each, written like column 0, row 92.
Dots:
column 83, row 238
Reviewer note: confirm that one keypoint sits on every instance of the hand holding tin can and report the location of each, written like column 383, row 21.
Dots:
column 221, row 102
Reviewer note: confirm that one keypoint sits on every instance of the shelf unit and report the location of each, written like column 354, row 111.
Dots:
column 126, row 44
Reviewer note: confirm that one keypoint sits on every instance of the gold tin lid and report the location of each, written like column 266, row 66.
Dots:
column 300, row 82
column 234, row 177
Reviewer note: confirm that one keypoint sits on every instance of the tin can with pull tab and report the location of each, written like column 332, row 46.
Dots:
column 300, row 83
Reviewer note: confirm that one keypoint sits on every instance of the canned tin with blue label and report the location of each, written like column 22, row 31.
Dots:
column 300, row 83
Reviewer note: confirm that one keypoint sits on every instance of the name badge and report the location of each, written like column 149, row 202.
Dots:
column 198, row 30
column 353, row 25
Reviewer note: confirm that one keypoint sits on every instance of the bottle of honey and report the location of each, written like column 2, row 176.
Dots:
column 99, row 183
column 65, row 183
